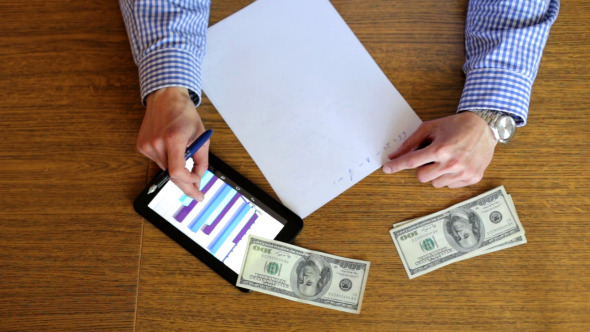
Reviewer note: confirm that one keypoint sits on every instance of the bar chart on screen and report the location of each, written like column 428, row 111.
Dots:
column 221, row 223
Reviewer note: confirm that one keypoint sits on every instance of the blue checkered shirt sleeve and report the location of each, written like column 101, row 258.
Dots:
column 168, row 42
column 504, row 42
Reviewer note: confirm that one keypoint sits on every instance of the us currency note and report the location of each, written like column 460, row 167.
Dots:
column 504, row 245
column 482, row 224
column 508, row 244
column 302, row 275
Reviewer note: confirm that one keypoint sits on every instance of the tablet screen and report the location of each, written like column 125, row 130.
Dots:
column 222, row 222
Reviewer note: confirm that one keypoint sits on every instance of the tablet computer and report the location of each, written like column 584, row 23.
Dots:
column 216, row 230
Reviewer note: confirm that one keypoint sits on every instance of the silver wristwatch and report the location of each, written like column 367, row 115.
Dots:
column 502, row 124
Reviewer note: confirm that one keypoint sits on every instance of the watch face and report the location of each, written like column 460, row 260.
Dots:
column 506, row 128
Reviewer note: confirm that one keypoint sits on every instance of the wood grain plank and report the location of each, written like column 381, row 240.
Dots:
column 74, row 255
column 69, row 114
column 538, row 286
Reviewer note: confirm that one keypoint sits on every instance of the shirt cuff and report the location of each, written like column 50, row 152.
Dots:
column 498, row 90
column 170, row 67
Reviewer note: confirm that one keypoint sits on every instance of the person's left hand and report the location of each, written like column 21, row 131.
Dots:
column 461, row 148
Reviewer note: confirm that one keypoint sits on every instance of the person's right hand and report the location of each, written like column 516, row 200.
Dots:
column 171, row 123
column 460, row 148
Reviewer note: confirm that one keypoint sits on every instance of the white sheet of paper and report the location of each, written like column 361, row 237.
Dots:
column 304, row 97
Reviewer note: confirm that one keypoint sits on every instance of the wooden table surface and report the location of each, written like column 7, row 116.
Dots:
column 75, row 256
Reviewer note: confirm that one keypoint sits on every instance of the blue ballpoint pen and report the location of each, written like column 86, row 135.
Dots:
column 190, row 151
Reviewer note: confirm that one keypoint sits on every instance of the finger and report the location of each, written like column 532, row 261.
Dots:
column 411, row 143
column 445, row 180
column 185, row 180
column 429, row 172
column 149, row 151
column 459, row 184
column 159, row 154
column 201, row 160
column 466, row 179
column 190, row 189
column 457, row 180
column 177, row 164
column 411, row 160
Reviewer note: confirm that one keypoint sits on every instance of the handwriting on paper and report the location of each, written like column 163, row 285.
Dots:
column 370, row 160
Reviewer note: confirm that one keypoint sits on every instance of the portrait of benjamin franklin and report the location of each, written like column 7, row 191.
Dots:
column 311, row 277
column 464, row 230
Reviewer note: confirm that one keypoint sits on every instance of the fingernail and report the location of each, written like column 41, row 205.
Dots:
column 387, row 170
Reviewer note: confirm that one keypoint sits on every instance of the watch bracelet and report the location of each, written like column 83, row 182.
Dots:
column 492, row 118
column 489, row 116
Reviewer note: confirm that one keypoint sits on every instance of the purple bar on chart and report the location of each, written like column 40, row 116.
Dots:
column 209, row 185
column 245, row 229
column 210, row 207
column 229, row 228
column 207, row 229
column 185, row 210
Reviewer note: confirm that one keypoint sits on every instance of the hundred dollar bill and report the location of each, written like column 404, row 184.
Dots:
column 302, row 275
column 483, row 223
column 504, row 245
column 511, row 243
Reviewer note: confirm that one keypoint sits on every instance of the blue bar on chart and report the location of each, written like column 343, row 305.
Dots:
column 185, row 200
column 238, row 216
column 245, row 229
column 205, row 180
column 223, row 195
column 241, row 234
column 207, row 229
column 205, row 185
